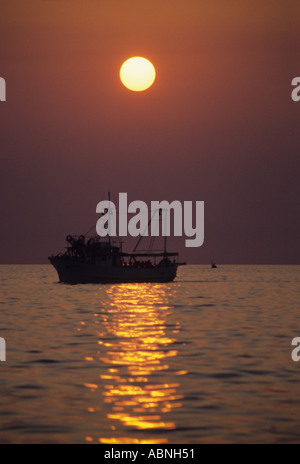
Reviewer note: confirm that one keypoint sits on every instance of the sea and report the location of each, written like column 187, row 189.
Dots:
column 204, row 359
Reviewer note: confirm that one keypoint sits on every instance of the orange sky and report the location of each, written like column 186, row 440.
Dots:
column 218, row 124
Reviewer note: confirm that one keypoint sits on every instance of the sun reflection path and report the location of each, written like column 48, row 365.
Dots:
column 136, row 346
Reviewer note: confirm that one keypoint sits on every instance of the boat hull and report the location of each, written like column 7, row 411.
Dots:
column 73, row 272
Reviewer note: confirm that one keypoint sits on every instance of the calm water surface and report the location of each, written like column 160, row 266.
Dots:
column 206, row 359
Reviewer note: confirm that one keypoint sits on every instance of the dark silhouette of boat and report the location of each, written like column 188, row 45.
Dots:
column 96, row 260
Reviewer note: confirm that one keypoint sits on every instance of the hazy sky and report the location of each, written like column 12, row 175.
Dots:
column 218, row 125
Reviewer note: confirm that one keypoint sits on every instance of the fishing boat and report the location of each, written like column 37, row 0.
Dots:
column 100, row 261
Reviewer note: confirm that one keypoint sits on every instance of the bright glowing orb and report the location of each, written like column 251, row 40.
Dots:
column 137, row 73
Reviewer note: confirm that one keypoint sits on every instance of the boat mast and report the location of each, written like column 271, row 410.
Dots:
column 142, row 236
column 149, row 223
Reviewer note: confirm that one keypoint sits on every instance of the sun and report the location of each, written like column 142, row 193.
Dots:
column 137, row 73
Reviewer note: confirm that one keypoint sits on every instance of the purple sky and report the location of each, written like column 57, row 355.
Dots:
column 218, row 125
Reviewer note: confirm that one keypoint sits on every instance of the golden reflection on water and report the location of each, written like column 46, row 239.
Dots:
column 136, row 346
